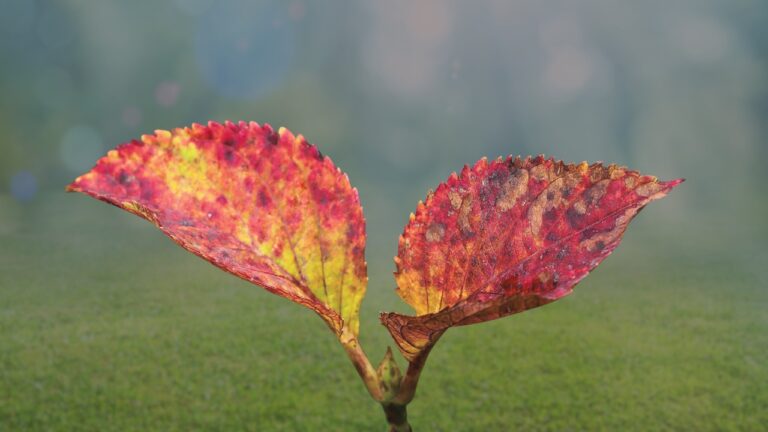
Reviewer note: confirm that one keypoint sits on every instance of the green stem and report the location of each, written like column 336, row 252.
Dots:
column 362, row 365
column 394, row 408
column 397, row 417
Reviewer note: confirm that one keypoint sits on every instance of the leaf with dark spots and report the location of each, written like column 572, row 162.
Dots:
column 507, row 236
column 261, row 204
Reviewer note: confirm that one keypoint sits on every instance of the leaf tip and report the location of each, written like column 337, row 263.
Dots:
column 673, row 183
column 383, row 317
column 283, row 132
column 163, row 135
column 388, row 355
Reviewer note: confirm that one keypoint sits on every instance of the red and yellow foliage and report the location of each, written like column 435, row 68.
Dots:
column 500, row 238
column 264, row 205
column 508, row 236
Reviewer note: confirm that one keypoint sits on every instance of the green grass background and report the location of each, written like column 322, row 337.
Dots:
column 106, row 325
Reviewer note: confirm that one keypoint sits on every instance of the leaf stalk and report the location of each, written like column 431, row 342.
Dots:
column 395, row 408
column 362, row 364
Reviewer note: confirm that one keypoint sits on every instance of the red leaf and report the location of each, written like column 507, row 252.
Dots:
column 508, row 236
column 263, row 205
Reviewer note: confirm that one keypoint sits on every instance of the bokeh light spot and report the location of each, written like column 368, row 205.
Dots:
column 567, row 71
column 167, row 93
column 569, row 61
column 297, row 10
column 406, row 45
column 245, row 49
column 23, row 186
column 131, row 116
column 80, row 148
column 702, row 40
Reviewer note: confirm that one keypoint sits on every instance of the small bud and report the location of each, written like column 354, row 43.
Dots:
column 389, row 376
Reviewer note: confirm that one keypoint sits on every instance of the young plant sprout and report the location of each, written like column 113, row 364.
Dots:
column 501, row 237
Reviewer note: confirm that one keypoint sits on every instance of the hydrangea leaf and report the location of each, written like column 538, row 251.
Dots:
column 266, row 206
column 507, row 236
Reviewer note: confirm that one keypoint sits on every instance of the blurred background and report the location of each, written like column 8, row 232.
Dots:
column 106, row 325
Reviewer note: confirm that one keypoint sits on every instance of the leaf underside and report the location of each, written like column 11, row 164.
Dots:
column 263, row 205
column 507, row 236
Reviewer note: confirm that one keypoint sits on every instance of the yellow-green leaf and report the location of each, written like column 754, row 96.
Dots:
column 266, row 206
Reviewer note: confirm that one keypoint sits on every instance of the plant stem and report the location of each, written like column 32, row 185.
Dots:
column 411, row 380
column 394, row 408
column 397, row 417
column 362, row 365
